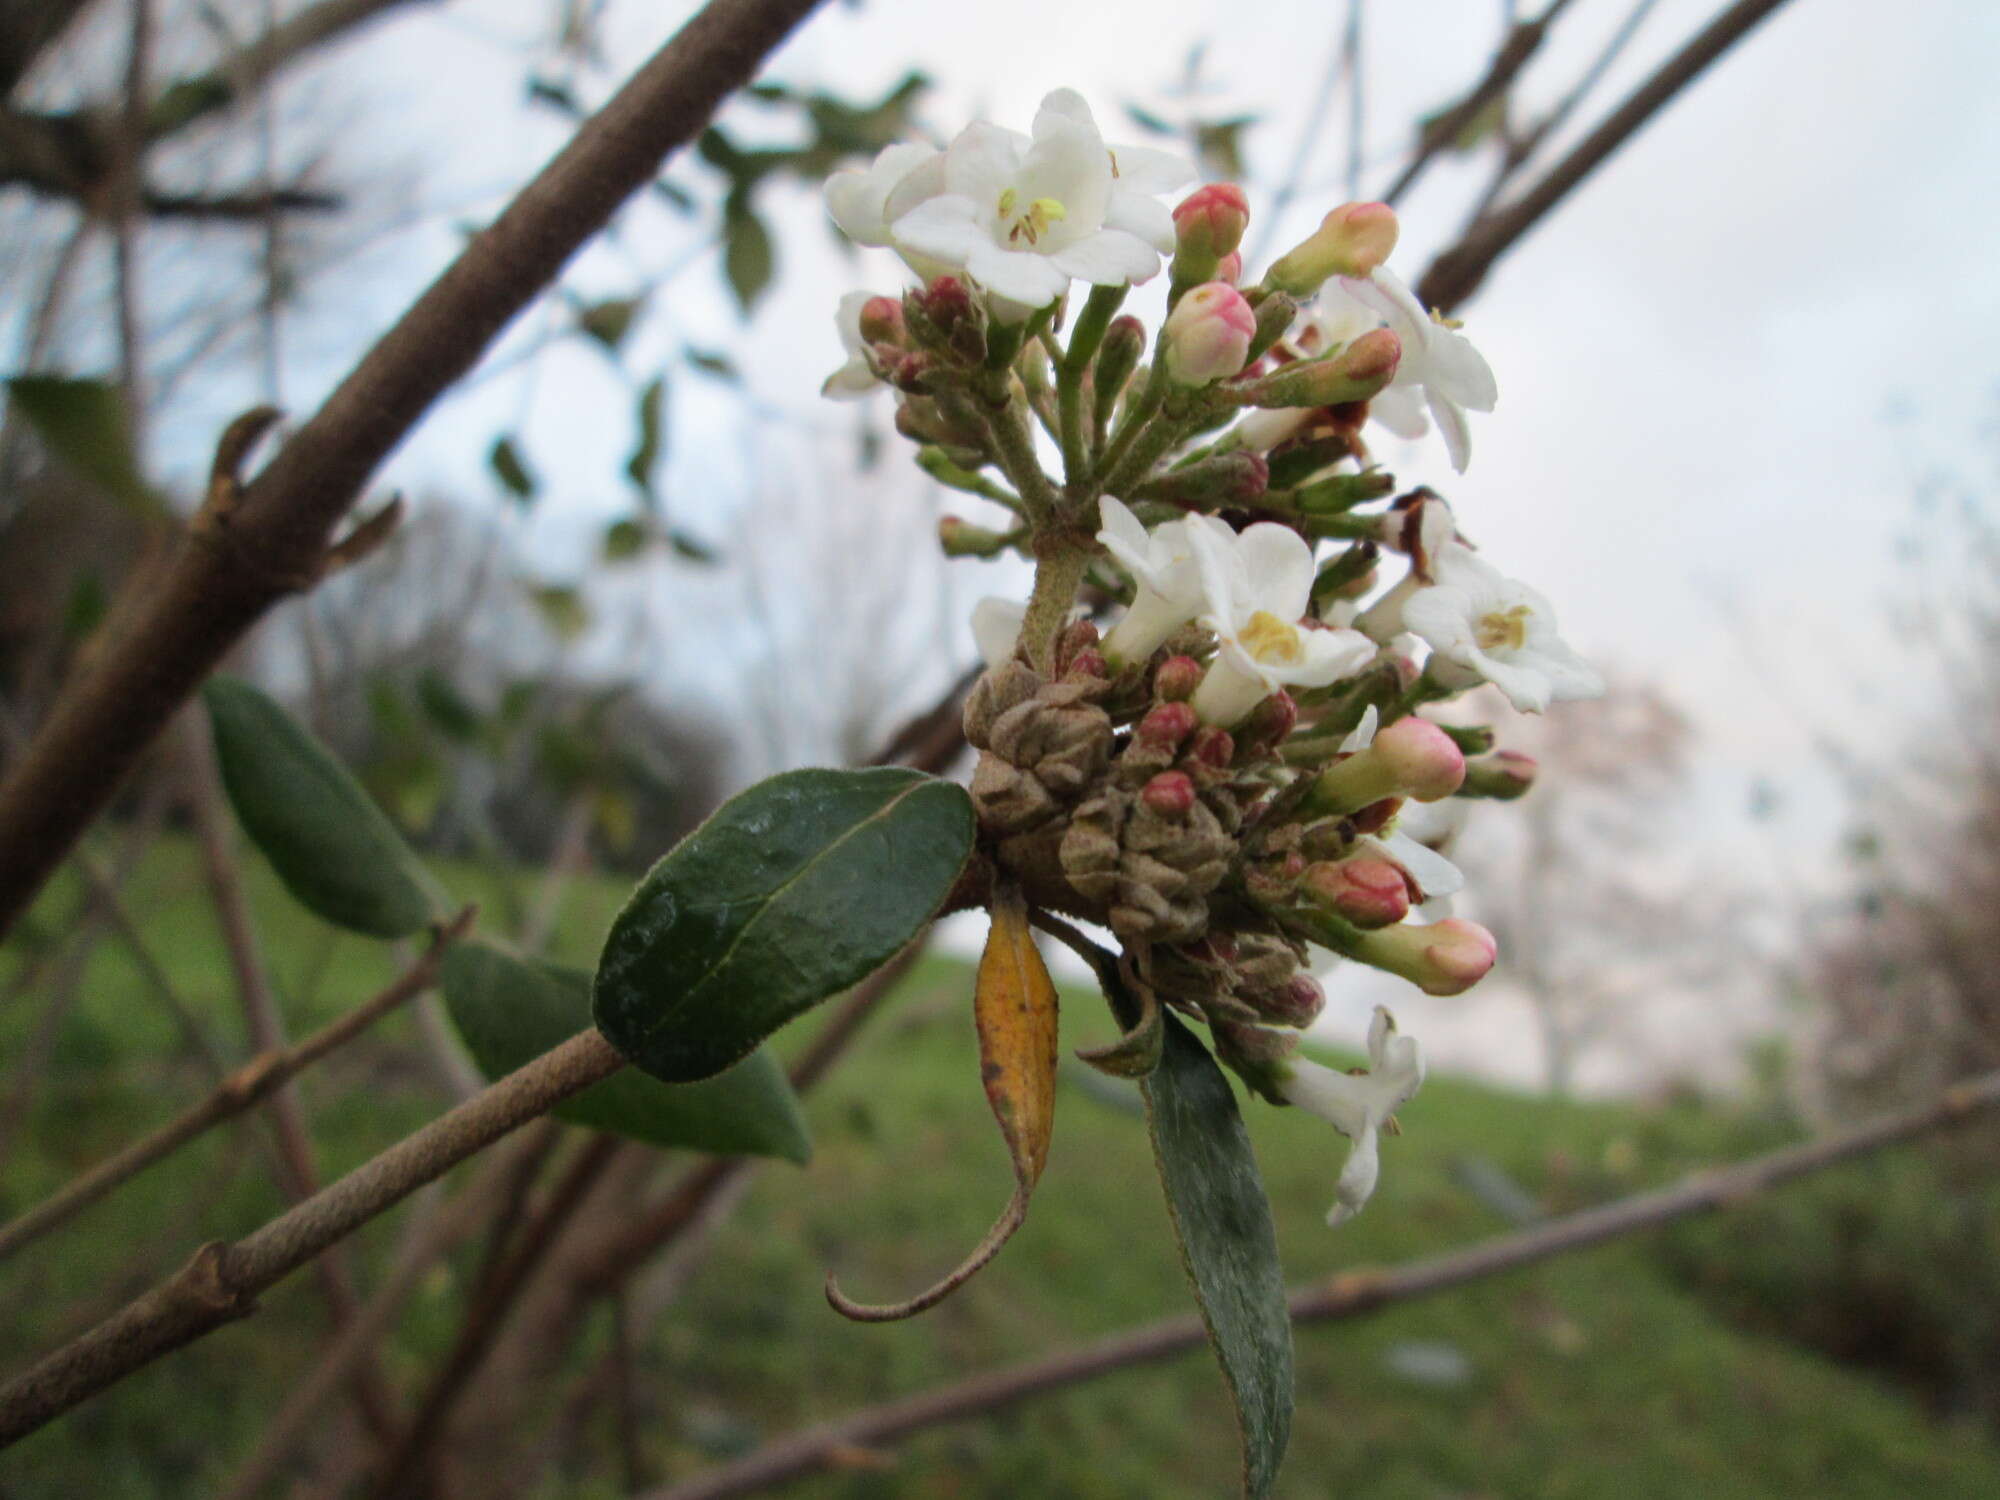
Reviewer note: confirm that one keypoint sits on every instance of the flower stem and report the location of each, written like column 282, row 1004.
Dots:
column 1059, row 569
column 1014, row 446
column 1098, row 310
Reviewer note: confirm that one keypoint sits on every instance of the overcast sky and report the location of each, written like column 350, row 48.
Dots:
column 1721, row 362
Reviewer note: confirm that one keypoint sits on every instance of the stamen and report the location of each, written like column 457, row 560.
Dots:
column 1504, row 627
column 1269, row 639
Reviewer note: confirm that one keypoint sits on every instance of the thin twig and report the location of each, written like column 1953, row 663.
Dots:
column 241, row 1090
column 1457, row 273
column 1343, row 1296
column 272, row 540
column 221, row 1283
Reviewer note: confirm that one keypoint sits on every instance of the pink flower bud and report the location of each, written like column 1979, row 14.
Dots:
column 1170, row 794
column 882, row 321
column 1079, row 635
column 1209, row 223
column 1366, row 890
column 1358, row 372
column 1230, row 268
column 1351, row 241
column 1443, row 958
column 1177, row 679
column 1208, row 334
column 1213, row 747
column 1166, row 726
column 1424, row 761
column 1297, row 1003
column 1088, row 662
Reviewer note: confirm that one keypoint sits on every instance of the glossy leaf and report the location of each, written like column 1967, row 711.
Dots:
column 794, row 890
column 328, row 841
column 510, row 1010
column 1229, row 1245
column 82, row 425
column 1014, row 1006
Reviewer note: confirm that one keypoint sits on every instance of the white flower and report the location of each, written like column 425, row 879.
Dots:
column 1434, row 827
column 1162, row 564
column 855, row 378
column 1358, row 1105
column 996, row 629
column 1255, row 588
column 1335, row 319
column 865, row 202
column 1024, row 216
column 1488, row 626
column 1438, row 361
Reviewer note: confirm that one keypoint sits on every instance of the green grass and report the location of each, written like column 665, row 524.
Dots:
column 1590, row 1376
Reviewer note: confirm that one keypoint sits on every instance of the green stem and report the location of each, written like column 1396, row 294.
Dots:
column 1058, row 572
column 1014, row 446
column 1098, row 310
column 1136, row 417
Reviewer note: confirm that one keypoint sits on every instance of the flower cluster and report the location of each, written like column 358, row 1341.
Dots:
column 1246, row 763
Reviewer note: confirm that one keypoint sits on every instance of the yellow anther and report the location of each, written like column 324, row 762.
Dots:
column 1047, row 211
column 1269, row 639
column 1504, row 627
column 1007, row 201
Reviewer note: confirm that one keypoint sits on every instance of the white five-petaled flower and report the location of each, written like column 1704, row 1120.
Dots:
column 1484, row 625
column 1255, row 588
column 1023, row 216
column 1162, row 564
column 1439, row 363
column 856, row 378
column 1358, row 1105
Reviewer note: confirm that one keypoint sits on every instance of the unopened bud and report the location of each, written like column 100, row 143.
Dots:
column 1348, row 576
column 1208, row 225
column 1177, row 679
column 1294, row 463
column 1503, row 776
column 1410, row 758
column 946, row 317
column 1360, row 370
column 1208, row 334
column 1170, row 794
column 1167, row 725
column 1275, row 316
column 960, row 538
column 1441, row 958
column 1087, row 663
column 1117, row 357
column 1234, row 478
column 1473, row 739
column 1337, row 494
column 1078, row 636
column 1230, row 268
column 1271, row 720
column 1366, row 890
column 1351, row 241
column 1296, row 1003
column 1213, row 747
column 882, row 321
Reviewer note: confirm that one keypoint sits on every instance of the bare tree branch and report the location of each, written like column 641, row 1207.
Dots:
column 1347, row 1295
column 271, row 540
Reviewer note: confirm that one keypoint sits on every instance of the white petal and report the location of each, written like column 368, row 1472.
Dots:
column 1569, row 675
column 1279, row 564
column 1340, row 1099
column 1141, row 169
column 1262, row 431
column 1400, row 408
column 947, row 229
column 1028, row 279
column 1526, row 688
column 1434, row 874
column 1385, row 293
column 1146, row 218
column 1451, row 426
column 1442, row 615
column 1062, row 107
column 850, row 382
column 1358, row 1177
column 1329, row 655
column 996, row 628
column 924, row 180
column 1461, row 370
column 1110, row 257
column 1363, row 734
column 847, row 319
column 982, row 162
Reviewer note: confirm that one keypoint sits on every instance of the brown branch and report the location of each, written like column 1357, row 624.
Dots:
column 1516, row 50
column 221, row 1283
column 1456, row 274
column 1344, row 1296
column 240, row 1091
column 234, row 568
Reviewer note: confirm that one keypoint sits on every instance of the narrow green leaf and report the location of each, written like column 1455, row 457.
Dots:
column 649, row 415
column 794, row 890
column 609, row 321
column 329, row 843
column 693, row 548
column 747, row 256
column 508, row 467
column 1228, row 1243
column 713, row 362
column 510, row 1010
column 82, row 424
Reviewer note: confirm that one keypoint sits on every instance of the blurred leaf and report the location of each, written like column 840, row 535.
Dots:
column 719, row 151
column 187, row 100
column 442, row 704
column 329, row 843
column 616, row 818
column 649, row 415
column 609, row 321
column 82, row 425
column 562, row 609
column 565, row 758
column 1228, row 1242
column 713, row 362
column 747, row 256
column 625, row 540
column 557, row 96
column 691, row 548
column 794, row 890
column 1146, row 120
column 505, row 462
column 675, row 196
column 510, row 1010
column 1473, row 132
column 1219, row 145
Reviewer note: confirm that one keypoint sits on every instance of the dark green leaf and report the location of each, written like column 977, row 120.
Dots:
column 329, row 843
column 675, row 196
column 1145, row 119
column 1228, row 1243
column 507, row 466
column 625, row 540
column 608, row 322
column 649, row 414
column 794, row 890
column 511, row 1010
column 557, row 96
column 186, row 101
column 713, row 362
column 82, row 424
column 692, row 548
column 747, row 256
column 445, row 707
column 562, row 609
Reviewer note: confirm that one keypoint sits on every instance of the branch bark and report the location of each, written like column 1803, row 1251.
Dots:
column 271, row 540
column 220, row 1284
column 1344, row 1296
column 1456, row 274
